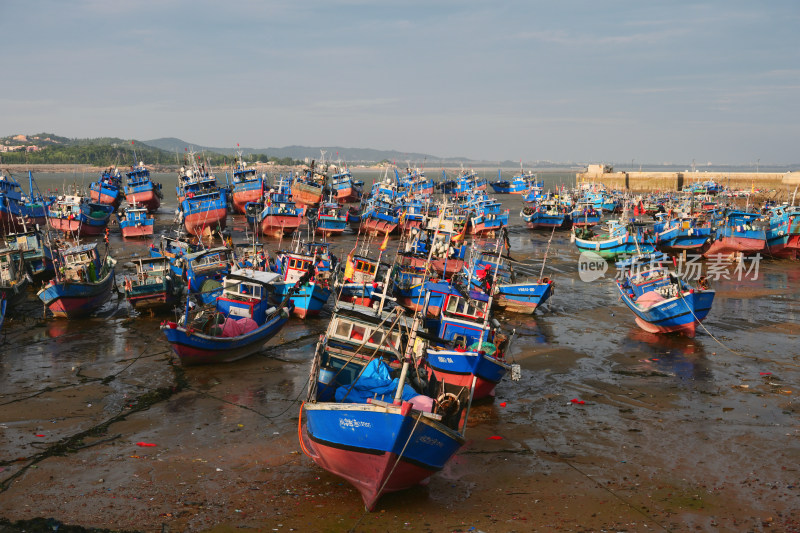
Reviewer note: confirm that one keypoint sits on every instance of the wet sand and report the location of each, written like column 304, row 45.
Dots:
column 101, row 427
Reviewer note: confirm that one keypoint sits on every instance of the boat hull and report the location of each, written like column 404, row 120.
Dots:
column 75, row 300
column 198, row 223
column 377, row 449
column 195, row 348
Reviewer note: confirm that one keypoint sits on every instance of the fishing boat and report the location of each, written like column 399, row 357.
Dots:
column 107, row 189
column 248, row 185
column 203, row 203
column 510, row 292
column 76, row 215
column 437, row 246
column 331, row 219
column 486, row 216
column 307, row 274
column 238, row 323
column 14, row 281
column 153, row 286
column 345, row 188
column 141, row 190
column 584, row 215
column 661, row 301
column 738, row 232
column 617, row 239
column 280, row 215
column 174, row 249
column 362, row 278
column 17, row 208
column 309, row 189
column 546, row 214
column 82, row 284
column 35, row 252
column 469, row 350
column 680, row 234
column 520, row 184
column 204, row 271
column 136, row 222
column 377, row 432
column 380, row 216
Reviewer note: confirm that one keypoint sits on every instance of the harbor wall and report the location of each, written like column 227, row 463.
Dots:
column 675, row 181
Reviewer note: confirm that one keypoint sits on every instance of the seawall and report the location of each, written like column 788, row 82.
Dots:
column 675, row 181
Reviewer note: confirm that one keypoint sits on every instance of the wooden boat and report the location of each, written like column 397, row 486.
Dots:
column 154, row 286
column 141, row 190
column 739, row 232
column 241, row 320
column 82, row 284
column 345, row 188
column 662, row 302
column 379, row 434
column 279, row 215
column 362, row 278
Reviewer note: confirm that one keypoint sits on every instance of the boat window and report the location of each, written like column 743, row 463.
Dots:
column 343, row 329
column 376, row 337
column 358, row 333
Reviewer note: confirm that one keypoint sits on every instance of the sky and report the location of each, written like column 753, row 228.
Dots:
column 566, row 81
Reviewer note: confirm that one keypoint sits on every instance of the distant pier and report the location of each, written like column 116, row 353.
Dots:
column 675, row 181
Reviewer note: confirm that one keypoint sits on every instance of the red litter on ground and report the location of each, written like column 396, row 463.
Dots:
column 40, row 435
column 145, row 444
column 502, row 404
column 495, row 437
column 765, row 373
column 579, row 402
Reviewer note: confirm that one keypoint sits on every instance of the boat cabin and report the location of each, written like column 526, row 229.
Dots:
column 248, row 294
column 81, row 263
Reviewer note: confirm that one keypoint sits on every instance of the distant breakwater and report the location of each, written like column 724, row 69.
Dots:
column 675, row 181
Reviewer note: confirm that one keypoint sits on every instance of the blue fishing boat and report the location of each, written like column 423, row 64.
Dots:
column 486, row 215
column 82, row 284
column 248, row 185
column 204, row 271
column 362, row 279
column 243, row 318
column 617, row 239
column 331, row 219
column 683, row 233
column 107, row 189
column 546, row 214
column 307, row 276
column 203, row 203
column 738, row 232
column 141, row 190
column 378, row 432
column 153, row 286
column 280, row 215
column 470, row 350
column 344, row 188
column 76, row 215
column 661, row 301
column 174, row 249
column 17, row 208
column 510, row 292
column 584, row 215
column 36, row 253
column 520, row 184
column 136, row 222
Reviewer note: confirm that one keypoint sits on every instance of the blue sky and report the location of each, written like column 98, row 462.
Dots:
column 589, row 81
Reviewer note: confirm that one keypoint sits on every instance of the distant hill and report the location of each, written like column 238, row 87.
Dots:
column 350, row 155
